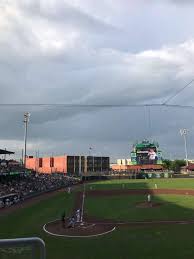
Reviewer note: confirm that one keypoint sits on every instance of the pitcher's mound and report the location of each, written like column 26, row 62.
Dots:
column 56, row 228
column 146, row 204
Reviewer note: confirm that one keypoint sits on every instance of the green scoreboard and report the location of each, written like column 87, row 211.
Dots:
column 145, row 153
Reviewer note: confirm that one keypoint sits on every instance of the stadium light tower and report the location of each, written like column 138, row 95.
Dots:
column 91, row 149
column 26, row 120
column 183, row 133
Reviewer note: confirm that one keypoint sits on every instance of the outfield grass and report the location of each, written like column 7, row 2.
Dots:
column 124, row 207
column 158, row 242
column 143, row 184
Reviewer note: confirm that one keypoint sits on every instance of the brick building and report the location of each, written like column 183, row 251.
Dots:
column 68, row 164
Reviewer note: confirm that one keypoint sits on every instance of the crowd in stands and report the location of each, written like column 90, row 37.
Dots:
column 11, row 165
column 31, row 184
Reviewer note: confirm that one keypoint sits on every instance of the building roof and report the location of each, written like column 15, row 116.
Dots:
column 190, row 166
column 146, row 143
column 6, row 152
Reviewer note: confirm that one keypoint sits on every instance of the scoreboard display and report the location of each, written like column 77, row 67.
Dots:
column 146, row 153
column 146, row 156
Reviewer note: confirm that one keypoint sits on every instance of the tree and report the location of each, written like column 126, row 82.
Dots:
column 167, row 164
column 177, row 164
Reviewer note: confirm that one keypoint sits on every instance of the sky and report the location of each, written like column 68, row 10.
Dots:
column 89, row 52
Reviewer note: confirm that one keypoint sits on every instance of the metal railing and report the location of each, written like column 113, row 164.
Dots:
column 31, row 241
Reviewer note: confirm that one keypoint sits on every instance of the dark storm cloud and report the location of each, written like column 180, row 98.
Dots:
column 61, row 53
column 111, row 131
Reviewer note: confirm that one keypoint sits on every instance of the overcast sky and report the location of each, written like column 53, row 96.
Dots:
column 96, row 52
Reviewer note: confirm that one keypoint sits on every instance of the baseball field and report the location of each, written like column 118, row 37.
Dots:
column 163, row 230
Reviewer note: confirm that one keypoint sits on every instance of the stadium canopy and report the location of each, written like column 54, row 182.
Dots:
column 6, row 152
column 146, row 143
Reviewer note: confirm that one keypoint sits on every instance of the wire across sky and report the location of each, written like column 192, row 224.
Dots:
column 164, row 104
column 75, row 105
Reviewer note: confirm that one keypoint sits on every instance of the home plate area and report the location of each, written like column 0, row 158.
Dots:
column 84, row 229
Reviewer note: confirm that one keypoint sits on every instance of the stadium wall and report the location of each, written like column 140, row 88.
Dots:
column 135, row 168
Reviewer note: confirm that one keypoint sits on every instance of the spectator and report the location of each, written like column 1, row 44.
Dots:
column 32, row 184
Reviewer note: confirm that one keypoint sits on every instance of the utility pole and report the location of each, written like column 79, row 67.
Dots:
column 22, row 157
column 36, row 161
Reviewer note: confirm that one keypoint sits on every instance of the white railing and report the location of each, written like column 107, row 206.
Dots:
column 31, row 241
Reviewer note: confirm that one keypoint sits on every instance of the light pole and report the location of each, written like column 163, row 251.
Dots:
column 83, row 201
column 74, row 165
column 84, row 191
column 183, row 133
column 26, row 120
column 80, row 165
column 92, row 155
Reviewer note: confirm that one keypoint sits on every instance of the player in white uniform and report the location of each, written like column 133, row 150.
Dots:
column 78, row 215
column 149, row 198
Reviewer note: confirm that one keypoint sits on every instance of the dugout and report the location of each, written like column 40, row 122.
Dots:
column 156, row 175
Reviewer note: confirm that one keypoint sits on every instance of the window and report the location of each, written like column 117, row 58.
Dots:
column 40, row 162
column 52, row 162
